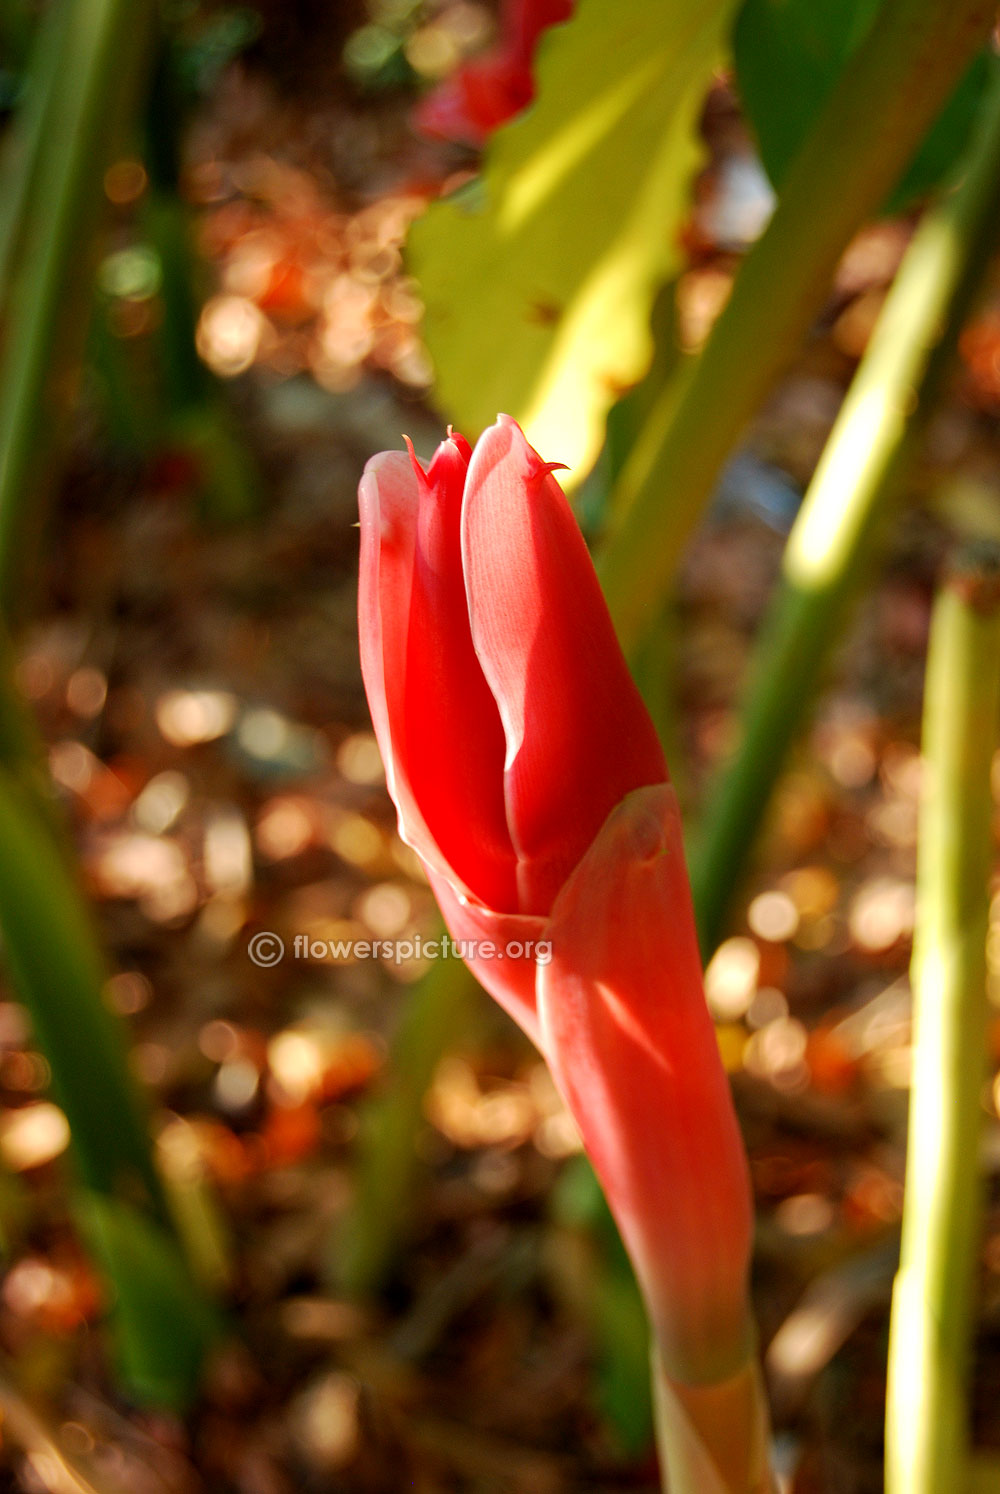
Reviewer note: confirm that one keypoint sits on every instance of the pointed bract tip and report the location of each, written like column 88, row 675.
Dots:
column 460, row 443
column 450, row 461
column 544, row 468
column 418, row 470
column 539, row 468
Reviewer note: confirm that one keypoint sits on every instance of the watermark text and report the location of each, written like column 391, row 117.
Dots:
column 266, row 949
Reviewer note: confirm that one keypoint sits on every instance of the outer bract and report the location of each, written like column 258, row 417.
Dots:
column 632, row 1048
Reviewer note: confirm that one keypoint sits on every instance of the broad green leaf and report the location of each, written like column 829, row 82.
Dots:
column 539, row 279
column 788, row 54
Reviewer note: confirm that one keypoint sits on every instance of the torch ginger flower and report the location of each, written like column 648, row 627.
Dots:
column 530, row 781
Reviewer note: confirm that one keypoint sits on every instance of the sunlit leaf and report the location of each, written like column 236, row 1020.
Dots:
column 539, row 279
column 788, row 54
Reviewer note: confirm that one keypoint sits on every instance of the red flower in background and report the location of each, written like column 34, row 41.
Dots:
column 530, row 780
column 489, row 90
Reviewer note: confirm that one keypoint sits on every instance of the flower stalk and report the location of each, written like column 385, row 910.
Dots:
column 713, row 1439
column 929, row 1345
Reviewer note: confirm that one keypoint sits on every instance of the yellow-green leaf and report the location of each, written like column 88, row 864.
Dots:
column 539, row 279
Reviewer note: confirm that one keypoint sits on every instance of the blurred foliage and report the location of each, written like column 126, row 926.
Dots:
column 788, row 55
column 609, row 1301
column 16, row 26
column 540, row 277
column 375, row 55
column 88, row 68
column 57, row 968
column 890, row 89
column 833, row 542
column 206, row 41
column 163, row 1325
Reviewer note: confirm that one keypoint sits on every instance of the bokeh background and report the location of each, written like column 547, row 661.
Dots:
column 186, row 639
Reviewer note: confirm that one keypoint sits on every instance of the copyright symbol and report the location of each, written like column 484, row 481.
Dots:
column 265, row 949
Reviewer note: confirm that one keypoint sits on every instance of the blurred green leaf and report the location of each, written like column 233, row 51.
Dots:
column 51, row 953
column 369, row 1236
column 162, row 1325
column 539, row 283
column 622, row 1333
column 17, row 22
column 788, row 54
column 88, row 68
column 877, row 112
column 614, row 1308
column 374, row 57
column 22, row 144
column 161, row 1321
column 208, row 42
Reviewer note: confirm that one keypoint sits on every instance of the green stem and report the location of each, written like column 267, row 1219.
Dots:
column 98, row 51
column 23, row 143
column 230, row 482
column 927, row 1422
column 367, row 1243
column 187, row 379
column 17, row 22
column 123, row 376
column 199, row 416
column 886, row 98
column 859, row 473
column 714, row 1438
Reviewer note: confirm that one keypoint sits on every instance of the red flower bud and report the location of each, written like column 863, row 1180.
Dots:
column 530, row 780
column 507, row 719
